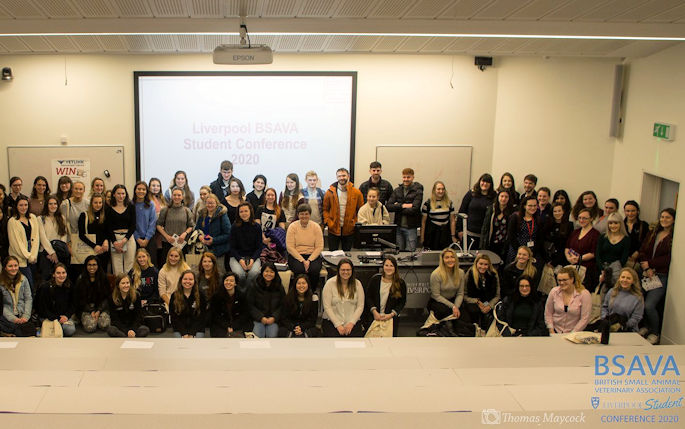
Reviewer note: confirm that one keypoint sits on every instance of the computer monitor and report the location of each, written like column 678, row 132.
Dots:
column 369, row 236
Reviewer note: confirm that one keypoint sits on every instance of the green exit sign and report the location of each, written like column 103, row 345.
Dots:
column 663, row 131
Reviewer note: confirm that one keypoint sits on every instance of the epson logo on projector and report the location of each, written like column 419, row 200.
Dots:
column 243, row 57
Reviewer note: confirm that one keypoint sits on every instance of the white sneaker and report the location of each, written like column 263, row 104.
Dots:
column 643, row 331
column 653, row 339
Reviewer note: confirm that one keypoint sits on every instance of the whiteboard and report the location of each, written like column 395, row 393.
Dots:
column 28, row 162
column 449, row 164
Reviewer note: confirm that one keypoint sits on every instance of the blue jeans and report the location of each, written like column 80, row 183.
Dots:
column 406, row 238
column 265, row 331
column 652, row 300
column 197, row 334
column 251, row 275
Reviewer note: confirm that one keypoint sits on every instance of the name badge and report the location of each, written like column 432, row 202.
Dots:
column 530, row 244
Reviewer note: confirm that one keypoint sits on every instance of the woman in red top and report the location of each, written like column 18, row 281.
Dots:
column 581, row 247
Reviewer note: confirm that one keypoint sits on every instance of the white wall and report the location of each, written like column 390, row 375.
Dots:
column 553, row 119
column 402, row 99
column 656, row 90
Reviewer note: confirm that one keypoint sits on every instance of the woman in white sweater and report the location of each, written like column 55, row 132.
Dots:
column 26, row 234
column 343, row 303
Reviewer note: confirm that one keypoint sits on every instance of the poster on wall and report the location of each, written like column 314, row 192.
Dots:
column 74, row 168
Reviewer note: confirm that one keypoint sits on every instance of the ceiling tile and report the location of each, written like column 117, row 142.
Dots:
column 354, row 8
column 437, row 44
column 95, row 8
column 313, row 43
column 461, row 44
column 510, row 45
column 14, row 44
column 647, row 10
column 87, row 43
column 339, row 43
column 486, row 44
column 206, row 9
column 391, row 8
column 429, row 8
column 57, row 9
column 288, row 43
column 137, row 43
column 465, row 9
column 535, row 46
column 209, row 42
column 62, row 43
column 364, row 43
column 21, row 9
column 316, row 8
column 413, row 44
column 187, row 42
column 500, row 9
column 162, row 42
column 671, row 15
column 252, row 8
column 536, row 9
column 573, row 9
column 2, row 47
column 169, row 8
column 263, row 40
column 610, row 10
column 114, row 43
column 37, row 44
column 133, row 8
column 280, row 8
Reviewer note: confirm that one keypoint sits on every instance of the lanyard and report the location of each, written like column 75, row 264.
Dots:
column 530, row 228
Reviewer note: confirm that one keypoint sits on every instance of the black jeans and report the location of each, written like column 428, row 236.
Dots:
column 334, row 242
column 313, row 273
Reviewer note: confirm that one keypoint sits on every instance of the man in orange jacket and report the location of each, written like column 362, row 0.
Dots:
column 340, row 206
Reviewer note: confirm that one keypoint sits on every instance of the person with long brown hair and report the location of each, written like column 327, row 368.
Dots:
column 208, row 274
column 474, row 204
column 55, row 301
column 180, row 181
column 386, row 295
column 17, row 303
column 91, row 292
column 94, row 222
column 494, row 233
column 245, row 246
column 588, row 201
column 121, row 223
column 655, row 260
column 229, row 312
column 300, row 311
column 582, row 246
column 343, row 303
column 266, row 302
column 64, row 185
column 187, row 308
column 26, row 234
column 39, row 194
column 291, row 198
column 126, row 310
column 270, row 215
column 56, row 232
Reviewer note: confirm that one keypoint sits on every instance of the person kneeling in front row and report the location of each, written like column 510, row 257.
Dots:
column 125, row 311
column 343, row 303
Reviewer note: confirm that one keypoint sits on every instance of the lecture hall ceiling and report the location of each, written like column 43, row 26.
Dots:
column 448, row 27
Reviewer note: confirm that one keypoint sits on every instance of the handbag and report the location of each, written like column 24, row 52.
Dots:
column 380, row 329
column 547, row 280
column 494, row 330
column 651, row 283
column 61, row 250
column 155, row 317
column 79, row 249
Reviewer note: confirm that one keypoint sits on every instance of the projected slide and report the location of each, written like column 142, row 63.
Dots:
column 272, row 124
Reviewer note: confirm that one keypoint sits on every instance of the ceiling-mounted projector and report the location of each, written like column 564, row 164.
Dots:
column 243, row 54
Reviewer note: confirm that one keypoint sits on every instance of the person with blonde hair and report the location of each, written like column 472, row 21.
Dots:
column 613, row 247
column 314, row 196
column 523, row 264
column 624, row 303
column 125, row 310
column 170, row 273
column 373, row 212
column 97, row 186
column 439, row 220
column 481, row 292
column 144, row 278
column 204, row 192
column 447, row 286
column 569, row 305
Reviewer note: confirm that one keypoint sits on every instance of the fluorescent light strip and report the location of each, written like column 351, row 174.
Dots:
column 479, row 36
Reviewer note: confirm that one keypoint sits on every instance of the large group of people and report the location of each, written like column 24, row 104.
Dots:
column 112, row 261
